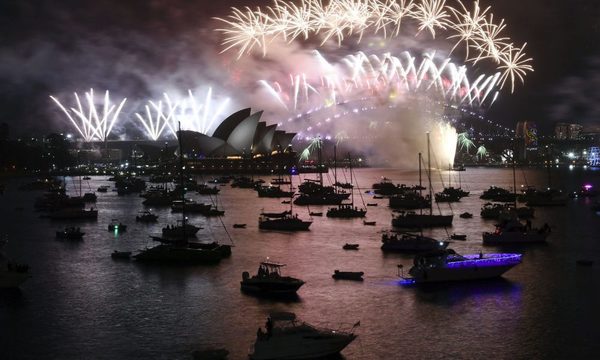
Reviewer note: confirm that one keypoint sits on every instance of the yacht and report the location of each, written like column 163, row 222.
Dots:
column 11, row 274
column 268, row 280
column 514, row 232
column 286, row 223
column 146, row 217
column 273, row 192
column 346, row 211
column 179, row 253
column 181, row 230
column 287, row 338
column 410, row 243
column 409, row 200
column 189, row 206
column 447, row 265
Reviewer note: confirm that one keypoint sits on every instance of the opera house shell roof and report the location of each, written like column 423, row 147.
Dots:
column 240, row 133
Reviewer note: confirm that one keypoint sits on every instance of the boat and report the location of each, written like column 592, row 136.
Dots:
column 278, row 214
column 377, row 197
column 348, row 275
column 286, row 202
column 12, row 274
column 408, row 242
column 314, row 213
column 146, row 217
column 273, row 192
column 120, row 254
column 372, row 204
column 102, row 189
column 182, row 230
column 409, row 201
column 369, row 223
column 586, row 191
column 239, row 226
column 287, row 338
column 466, row 215
column 458, row 237
column 87, row 178
column 70, row 233
column 346, row 211
column 514, row 232
column 204, row 189
column 117, row 226
column 445, row 197
column 413, row 220
column 348, row 246
column 499, row 194
column 285, row 223
column 89, row 197
column 268, row 280
column 189, row 206
column 446, row 265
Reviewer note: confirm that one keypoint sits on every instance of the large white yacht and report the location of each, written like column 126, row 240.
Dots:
column 447, row 265
column 288, row 338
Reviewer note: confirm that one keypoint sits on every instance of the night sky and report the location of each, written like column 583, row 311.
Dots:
column 61, row 46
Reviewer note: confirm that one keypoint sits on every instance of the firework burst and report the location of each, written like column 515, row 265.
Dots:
column 89, row 122
column 247, row 29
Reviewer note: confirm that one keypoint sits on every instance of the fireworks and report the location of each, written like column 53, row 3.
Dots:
column 447, row 142
column 315, row 143
column 386, row 76
column 464, row 142
column 476, row 29
column 85, row 118
column 157, row 123
column 481, row 152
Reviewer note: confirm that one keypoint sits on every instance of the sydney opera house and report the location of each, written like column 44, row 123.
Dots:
column 241, row 143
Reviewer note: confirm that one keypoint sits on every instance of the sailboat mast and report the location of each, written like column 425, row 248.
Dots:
column 350, row 167
column 514, row 178
column 420, row 183
column 429, row 176
column 335, row 167
column 320, row 160
column 180, row 140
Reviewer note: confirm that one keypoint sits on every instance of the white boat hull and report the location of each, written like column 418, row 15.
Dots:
column 444, row 274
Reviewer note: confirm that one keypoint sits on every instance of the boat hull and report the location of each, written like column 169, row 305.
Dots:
column 295, row 346
column 179, row 255
column 460, row 274
column 270, row 287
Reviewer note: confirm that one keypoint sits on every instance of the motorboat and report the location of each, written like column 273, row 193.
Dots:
column 146, row 217
column 12, row 274
column 466, row 215
column 287, row 338
column 268, row 280
column 180, row 253
column 117, row 226
column 70, row 233
column 189, row 206
column 348, row 275
column 409, row 200
column 499, row 194
column 279, row 214
column 346, row 211
column 286, row 223
column 369, row 223
column 372, row 204
column 407, row 242
column 446, row 265
column 204, row 189
column 514, row 232
column 120, row 254
column 182, row 230
column 89, row 197
column 458, row 237
column 348, row 246
column 102, row 189
column 239, row 226
column 273, row 192
column 314, row 213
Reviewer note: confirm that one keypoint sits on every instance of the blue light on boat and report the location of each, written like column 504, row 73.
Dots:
column 477, row 260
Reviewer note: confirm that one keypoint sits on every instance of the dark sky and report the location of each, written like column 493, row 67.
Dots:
column 60, row 46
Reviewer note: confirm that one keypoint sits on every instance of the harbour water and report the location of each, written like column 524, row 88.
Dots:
column 82, row 304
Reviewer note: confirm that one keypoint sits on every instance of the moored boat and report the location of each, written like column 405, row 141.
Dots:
column 446, row 265
column 287, row 338
column 408, row 242
column 348, row 275
column 268, row 280
column 70, row 233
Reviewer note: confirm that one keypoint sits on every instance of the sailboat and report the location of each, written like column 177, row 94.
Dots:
column 346, row 211
column 312, row 192
column 283, row 221
column 175, row 247
column 414, row 220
